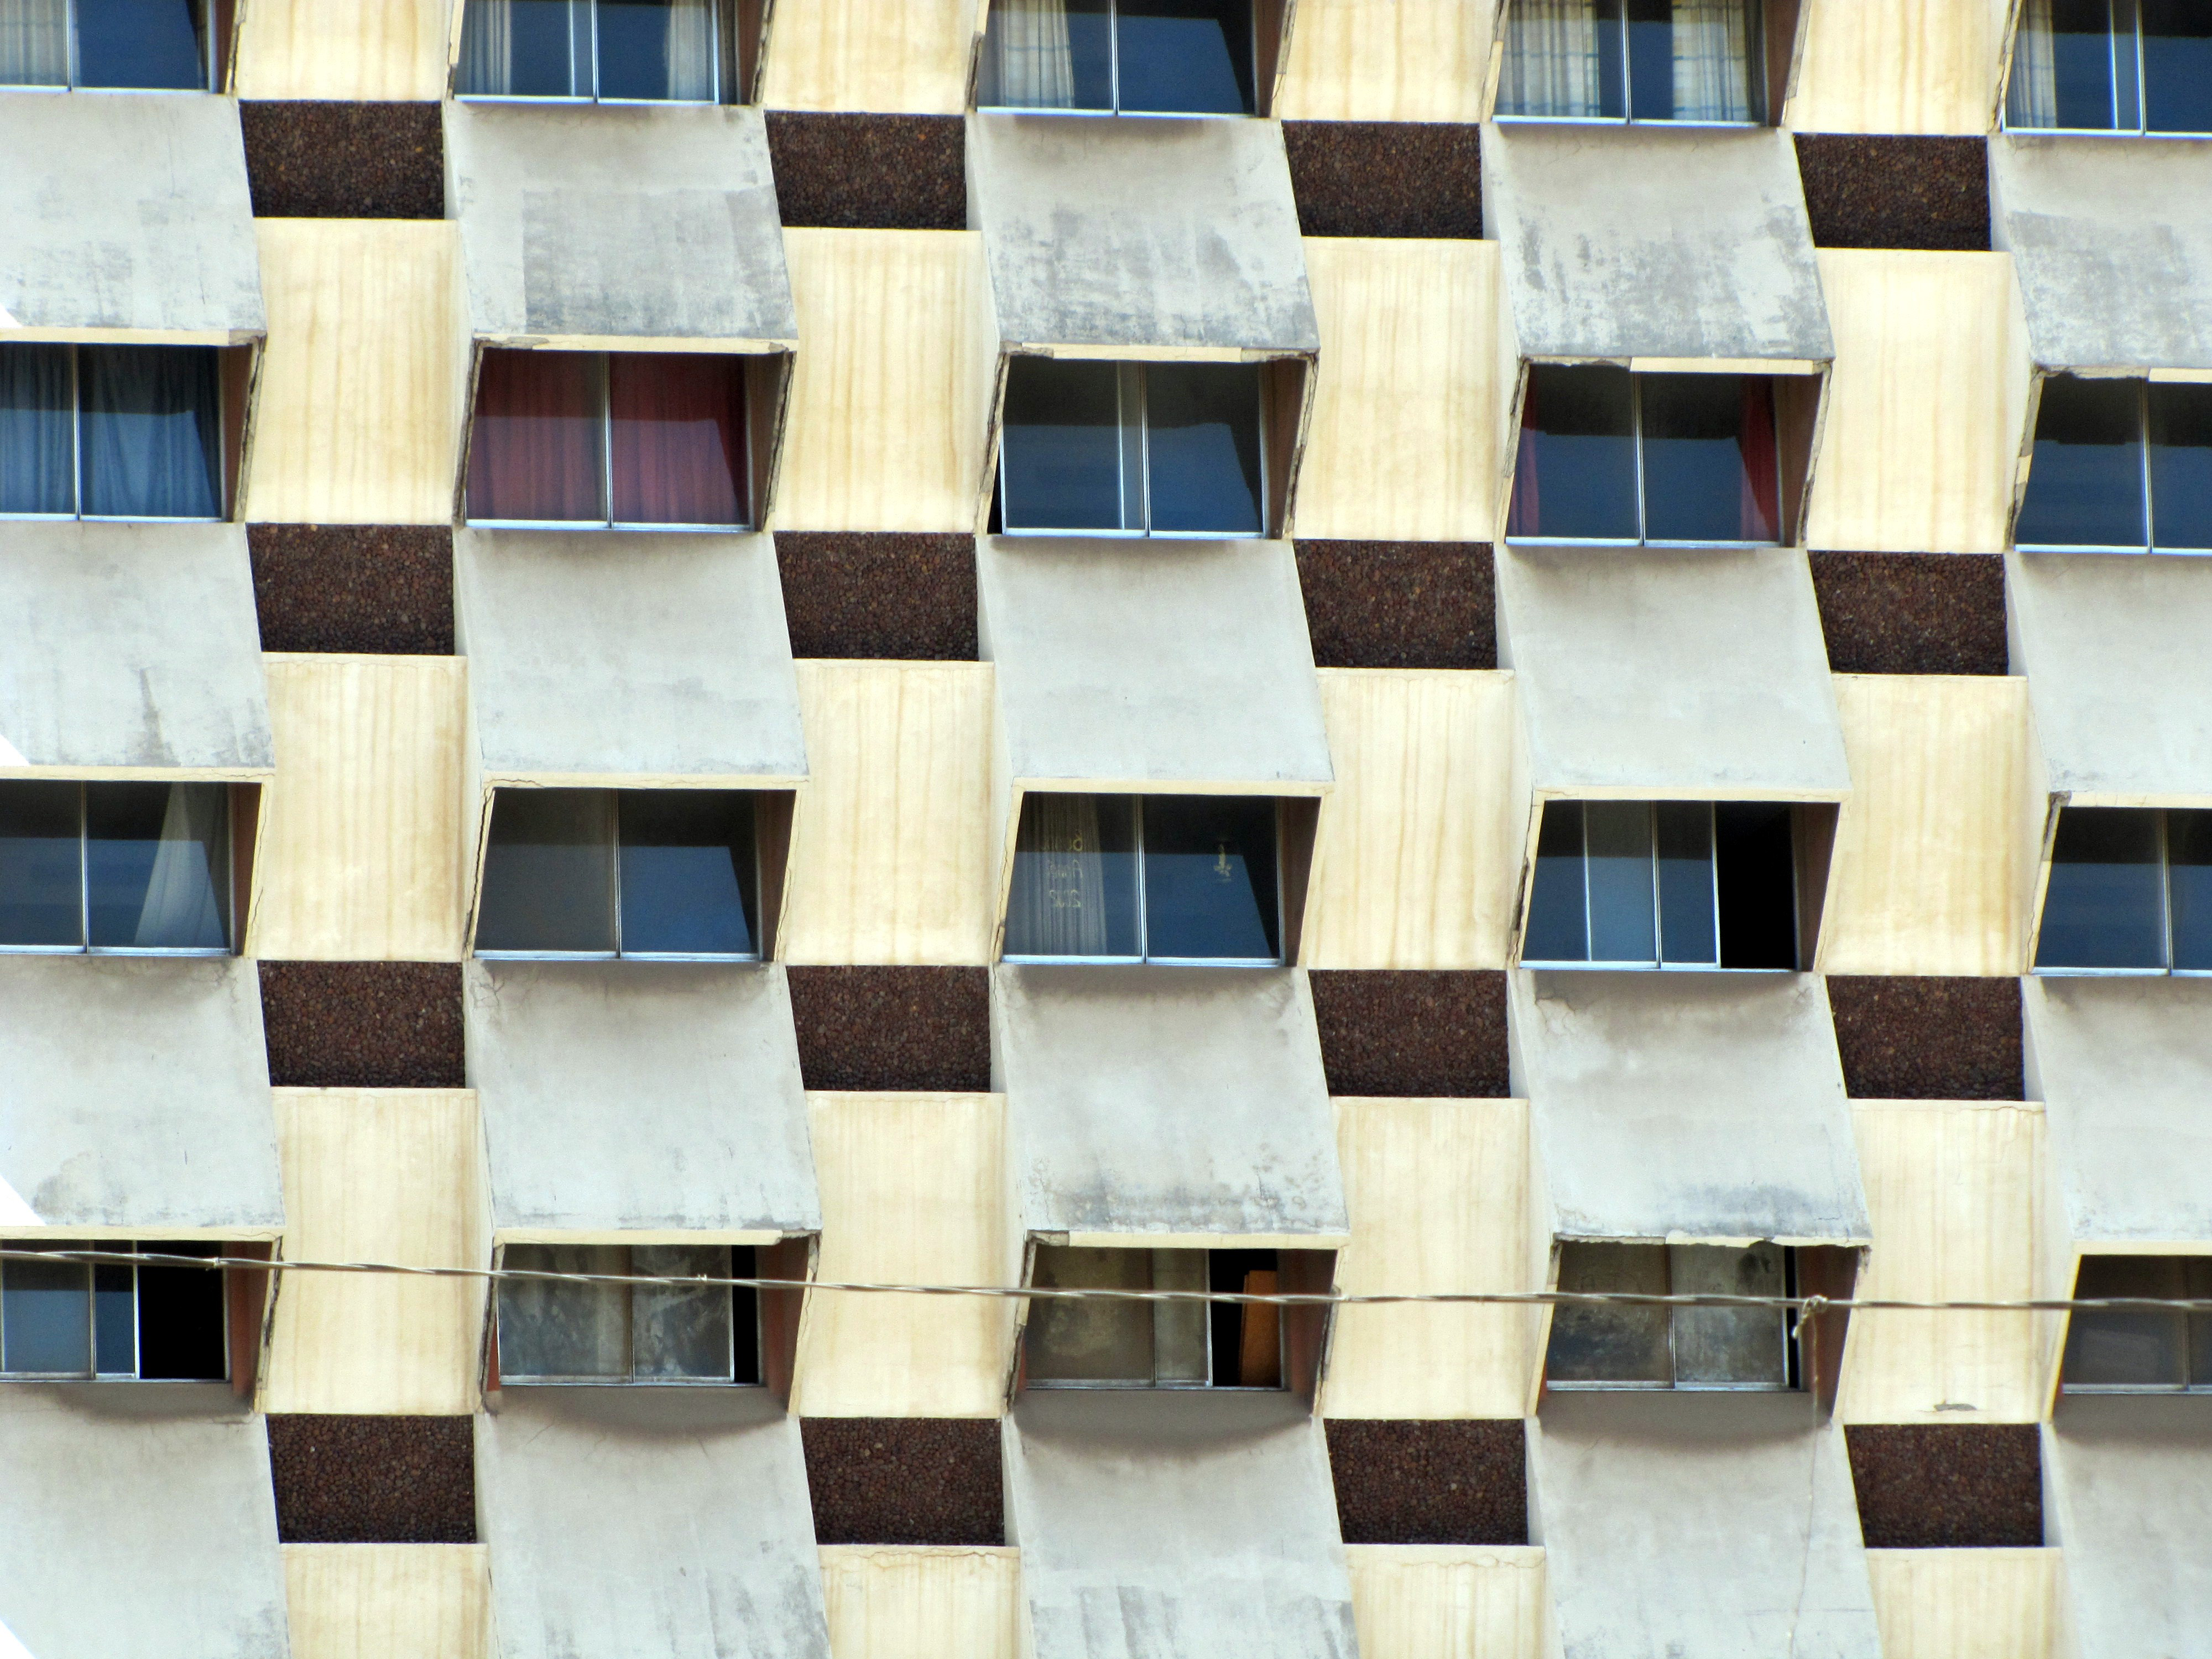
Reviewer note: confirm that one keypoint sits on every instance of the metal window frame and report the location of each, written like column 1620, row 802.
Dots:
column 77, row 514
column 1755, row 65
column 2142, row 129
column 1660, row 963
column 533, row 1380
column 2165, row 969
column 233, row 922
column 1155, row 1385
column 590, row 9
column 1113, row 110
column 210, row 65
column 136, row 1374
column 1793, row 1366
column 2141, row 442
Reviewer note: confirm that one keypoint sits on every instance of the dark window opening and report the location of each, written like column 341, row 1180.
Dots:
column 2120, row 465
column 122, row 868
column 1136, row 57
column 121, row 1321
column 1626, row 1346
column 1157, row 1344
column 608, row 51
column 2140, row 1351
column 1698, row 61
column 113, row 432
column 2131, row 66
column 554, row 1331
column 2130, row 889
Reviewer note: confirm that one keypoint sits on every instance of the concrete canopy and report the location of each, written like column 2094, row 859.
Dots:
column 1138, row 233
column 136, row 1521
column 1699, row 1524
column 627, row 656
column 2124, row 1069
column 2117, row 673
column 1137, row 663
column 137, row 220
column 2128, row 1501
column 134, row 1099
column 1146, row 1104
column 619, row 225
column 1623, row 243
column 627, row 1521
column 1175, row 1526
column 628, row 1097
column 1650, row 672
column 133, row 647
column 2108, row 277
column 1688, row 1106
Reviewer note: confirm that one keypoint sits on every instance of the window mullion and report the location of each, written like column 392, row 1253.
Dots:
column 84, row 870
column 1636, row 427
column 1114, row 56
column 2165, row 896
column 1589, row 906
column 614, row 860
column 1144, row 907
column 1651, row 835
column 1713, row 872
column 606, row 409
column 77, row 418
column 2142, row 456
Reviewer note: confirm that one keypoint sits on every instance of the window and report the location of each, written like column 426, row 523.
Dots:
column 2121, row 466
column 1635, row 884
column 150, row 1323
column 1602, row 1345
column 2131, row 891
column 1154, row 1344
column 1187, row 878
column 2147, row 1352
column 1633, row 60
column 551, row 1331
column 1160, row 449
column 111, row 432
column 1130, row 56
column 620, row 438
column 115, row 44
column 2112, row 66
column 131, row 868
column 1609, row 456
column 611, row 51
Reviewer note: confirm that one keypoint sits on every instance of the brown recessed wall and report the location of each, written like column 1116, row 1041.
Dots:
column 1408, row 1482
column 905, row 1480
column 374, row 1480
column 1386, row 178
column 1909, row 1037
column 323, row 159
column 1902, row 190
column 855, row 171
column 1398, row 604
column 1413, row 1032
column 363, row 1024
column 922, row 1029
column 384, row 590
column 1912, row 613
column 1947, row 1486
column 869, row 594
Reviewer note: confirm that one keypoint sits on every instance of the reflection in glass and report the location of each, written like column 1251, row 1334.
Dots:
column 1133, row 1344
column 1210, row 878
column 1618, row 840
column 45, row 1312
column 1046, row 54
column 115, row 1319
column 1202, row 447
column 2177, row 65
column 1686, row 923
column 1075, row 878
column 526, row 49
column 1559, row 914
column 1618, row 1344
column 535, row 446
column 1069, row 457
column 1709, row 459
column 1185, row 57
column 1728, row 1347
column 2104, row 907
column 145, row 45
column 548, row 1329
column 656, row 49
column 38, row 431
column 157, row 865
column 1647, row 60
column 2188, row 888
column 41, row 877
column 150, row 432
column 2180, row 436
column 2118, row 1348
column 676, row 438
column 549, row 872
column 2085, row 486
column 1575, row 475
column 690, row 873
column 680, row 1332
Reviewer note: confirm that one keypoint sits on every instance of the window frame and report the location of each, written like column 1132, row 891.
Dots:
column 232, row 900
column 1113, row 110
column 92, row 1270
column 2147, row 498
column 2140, row 130
column 215, row 31
column 1132, row 1385
column 723, row 68
column 228, row 467
column 506, row 1379
column 1756, row 63
column 1795, row 1367
column 2167, row 970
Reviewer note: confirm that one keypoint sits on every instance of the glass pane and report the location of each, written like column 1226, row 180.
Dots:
column 1187, row 57
column 115, row 1319
column 2085, row 486
column 1075, row 877
column 41, row 883
column 1046, row 54
column 1179, row 1328
column 1063, row 449
column 1709, row 459
column 151, row 432
column 1755, row 879
column 2127, row 89
column 676, row 438
column 1728, row 1347
column 549, row 872
column 1246, row 1338
column 1687, row 929
column 1210, row 878
column 1714, row 74
column 658, row 49
column 2177, row 66
column 1089, row 1341
column 526, row 49
column 534, row 448
column 1202, row 447
column 677, row 1332
column 37, row 424
column 1562, row 59
column 157, row 865
column 1622, row 921
column 690, row 874
column 1576, row 473
column 2181, row 460
column 34, row 47
column 1559, row 913
column 2123, row 1350
column 140, row 43
column 182, row 1335
column 556, row 1330
column 2199, row 1274
column 2081, row 36
column 2188, row 887
column 2102, row 908
column 45, row 1312
column 1600, row 1343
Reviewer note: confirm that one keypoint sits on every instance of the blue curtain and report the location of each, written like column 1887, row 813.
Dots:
column 150, row 423
column 37, row 447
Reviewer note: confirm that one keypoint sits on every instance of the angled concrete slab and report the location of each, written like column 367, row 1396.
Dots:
column 2128, row 1501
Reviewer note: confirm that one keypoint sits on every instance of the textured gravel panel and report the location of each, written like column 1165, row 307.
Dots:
column 363, row 1024
column 375, row 1479
column 1907, row 1037
column 1891, row 191
column 861, row 594
column 1407, row 1032
column 1429, row 1482
column 1398, row 604
column 924, row 1029
column 1963, row 1486
column 905, row 1480
column 1912, row 613
column 387, row 590
column 853, row 172
column 317, row 158
column 1386, row 178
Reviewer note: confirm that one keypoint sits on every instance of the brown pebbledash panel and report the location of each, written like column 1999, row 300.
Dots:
column 374, row 1480
column 856, row 593
column 1912, row 613
column 1398, row 604
column 322, row 159
column 1948, row 1486
column 852, row 172
column 1413, row 1032
column 1909, row 1038
column 386, row 590
column 1387, row 178
column 1904, row 191
column 363, row 1024
column 1404, row 1482
column 893, row 1029
column 904, row 1479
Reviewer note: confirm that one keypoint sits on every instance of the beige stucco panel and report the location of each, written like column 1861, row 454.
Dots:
column 1407, row 60
column 344, row 48
column 922, row 1601
column 908, row 56
column 1966, row 1604
column 1420, row 859
column 379, row 1175
column 388, row 1601
column 1892, row 66
column 1406, row 405
column 1448, row 1601
column 359, row 833
column 1934, row 870
column 891, row 860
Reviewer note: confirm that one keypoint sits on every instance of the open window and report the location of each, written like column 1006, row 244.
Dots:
column 136, row 432
column 1131, row 57
column 2120, row 465
column 2140, row 1351
column 146, row 46
column 1711, row 62
column 2130, row 891
column 1623, row 1345
column 2125, row 66
column 136, row 869
column 130, row 1322
column 551, row 1331
column 684, row 51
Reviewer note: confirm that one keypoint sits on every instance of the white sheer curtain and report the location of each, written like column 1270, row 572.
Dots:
column 182, row 908
column 487, row 47
column 38, row 431
column 692, row 49
column 1550, row 64
column 1032, row 64
column 1712, row 43
column 1059, row 902
column 35, row 43
column 2032, row 101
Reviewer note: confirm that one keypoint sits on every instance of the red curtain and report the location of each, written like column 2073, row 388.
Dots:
column 1759, row 518
column 677, row 438
column 534, row 451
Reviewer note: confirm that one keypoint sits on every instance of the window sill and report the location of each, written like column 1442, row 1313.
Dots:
column 2104, row 132
column 1622, row 121
column 506, row 1382
column 1716, row 545
column 200, row 951
column 1647, row 968
column 1554, row 1386
column 613, row 956
column 1141, row 961
column 1119, row 1386
column 569, row 99
column 1117, row 114
column 1117, row 535
column 2057, row 971
column 587, row 525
